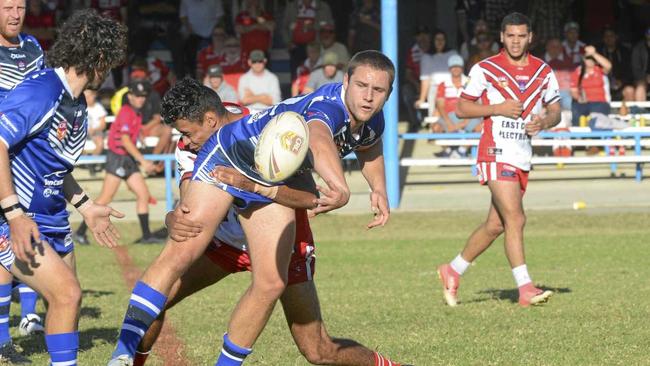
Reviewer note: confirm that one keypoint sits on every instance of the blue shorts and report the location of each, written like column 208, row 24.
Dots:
column 60, row 242
column 211, row 156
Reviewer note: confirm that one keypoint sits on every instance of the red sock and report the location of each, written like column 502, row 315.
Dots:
column 380, row 361
column 140, row 358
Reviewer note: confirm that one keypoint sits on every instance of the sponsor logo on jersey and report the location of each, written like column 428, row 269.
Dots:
column 503, row 82
column 68, row 240
column 494, row 151
column 62, row 129
column 47, row 192
column 291, row 142
column 15, row 56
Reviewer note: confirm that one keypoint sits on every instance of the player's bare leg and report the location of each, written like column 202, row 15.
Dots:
column 201, row 274
column 302, row 311
column 270, row 232
column 150, row 293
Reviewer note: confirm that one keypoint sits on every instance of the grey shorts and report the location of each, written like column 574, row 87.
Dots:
column 122, row 166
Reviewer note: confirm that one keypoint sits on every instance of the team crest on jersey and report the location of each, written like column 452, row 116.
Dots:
column 62, row 129
column 4, row 242
column 503, row 82
column 22, row 66
column 522, row 80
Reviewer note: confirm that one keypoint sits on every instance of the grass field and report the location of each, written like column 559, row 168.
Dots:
column 380, row 288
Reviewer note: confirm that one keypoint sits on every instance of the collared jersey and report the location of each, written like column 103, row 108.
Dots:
column 494, row 80
column 44, row 128
column 17, row 62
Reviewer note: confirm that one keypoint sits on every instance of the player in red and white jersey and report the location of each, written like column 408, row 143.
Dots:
column 228, row 253
column 513, row 88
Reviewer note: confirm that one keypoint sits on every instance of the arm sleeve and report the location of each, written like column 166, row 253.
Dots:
column 575, row 74
column 476, row 84
column 22, row 115
column 332, row 115
column 552, row 92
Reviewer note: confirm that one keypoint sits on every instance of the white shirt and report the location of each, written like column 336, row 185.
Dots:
column 202, row 15
column 95, row 114
column 266, row 83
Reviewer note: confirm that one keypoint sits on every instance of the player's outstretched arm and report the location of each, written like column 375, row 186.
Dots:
column 22, row 229
column 299, row 192
column 97, row 217
column 372, row 168
column 469, row 109
column 327, row 164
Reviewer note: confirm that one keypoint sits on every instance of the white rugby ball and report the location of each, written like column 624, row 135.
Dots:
column 282, row 147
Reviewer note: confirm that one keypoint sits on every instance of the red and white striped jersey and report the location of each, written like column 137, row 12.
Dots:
column 494, row 80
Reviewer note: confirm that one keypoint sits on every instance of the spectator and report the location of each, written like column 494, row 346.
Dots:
column 302, row 20
column 326, row 74
column 96, row 124
column 152, row 126
column 471, row 47
column 621, row 82
column 329, row 43
column 641, row 67
column 122, row 161
column 447, row 96
column 411, row 87
column 198, row 18
column 222, row 88
column 547, row 17
column 482, row 50
column 590, row 86
column 562, row 67
column 434, row 66
column 114, row 9
column 41, row 23
column 573, row 47
column 233, row 62
column 155, row 71
column 151, row 20
column 258, row 88
column 468, row 13
column 254, row 27
column 214, row 53
column 365, row 28
column 312, row 62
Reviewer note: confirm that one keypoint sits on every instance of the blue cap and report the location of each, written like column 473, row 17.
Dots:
column 455, row 60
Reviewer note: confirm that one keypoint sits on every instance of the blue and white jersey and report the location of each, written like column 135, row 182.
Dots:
column 44, row 129
column 17, row 62
column 236, row 141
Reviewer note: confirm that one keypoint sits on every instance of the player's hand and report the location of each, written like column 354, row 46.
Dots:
column 98, row 219
column 180, row 228
column 332, row 197
column 148, row 166
column 510, row 108
column 590, row 50
column 23, row 232
column 380, row 208
column 534, row 126
column 233, row 177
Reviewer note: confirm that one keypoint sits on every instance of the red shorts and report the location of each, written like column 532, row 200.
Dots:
column 488, row 171
column 301, row 267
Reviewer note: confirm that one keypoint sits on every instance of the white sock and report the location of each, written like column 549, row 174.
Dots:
column 462, row 149
column 521, row 275
column 459, row 265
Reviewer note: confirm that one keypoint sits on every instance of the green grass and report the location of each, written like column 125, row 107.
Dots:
column 380, row 288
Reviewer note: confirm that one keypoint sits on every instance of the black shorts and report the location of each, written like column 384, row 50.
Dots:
column 122, row 166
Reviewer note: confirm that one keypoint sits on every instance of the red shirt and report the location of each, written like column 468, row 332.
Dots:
column 230, row 65
column 413, row 57
column 450, row 93
column 256, row 39
column 595, row 85
column 44, row 20
column 128, row 121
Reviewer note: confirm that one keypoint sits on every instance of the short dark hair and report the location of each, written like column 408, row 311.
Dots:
column 90, row 43
column 190, row 100
column 374, row 59
column 515, row 19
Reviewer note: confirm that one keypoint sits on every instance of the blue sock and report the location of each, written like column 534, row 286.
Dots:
column 232, row 354
column 144, row 306
column 5, row 302
column 62, row 348
column 28, row 299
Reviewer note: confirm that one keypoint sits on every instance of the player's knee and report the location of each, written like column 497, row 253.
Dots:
column 269, row 288
column 517, row 221
column 68, row 297
column 494, row 228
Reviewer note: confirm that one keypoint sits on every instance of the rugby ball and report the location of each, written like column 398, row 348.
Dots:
column 282, row 147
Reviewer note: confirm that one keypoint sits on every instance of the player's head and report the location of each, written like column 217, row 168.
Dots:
column 516, row 34
column 193, row 109
column 12, row 15
column 368, row 83
column 90, row 44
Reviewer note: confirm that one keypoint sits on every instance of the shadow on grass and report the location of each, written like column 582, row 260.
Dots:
column 95, row 293
column 87, row 338
column 512, row 295
column 90, row 312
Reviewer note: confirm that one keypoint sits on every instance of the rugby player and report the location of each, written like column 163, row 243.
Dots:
column 42, row 134
column 342, row 118
column 514, row 88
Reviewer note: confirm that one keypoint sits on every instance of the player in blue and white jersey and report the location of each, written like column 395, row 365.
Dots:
column 42, row 134
column 341, row 118
column 20, row 54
